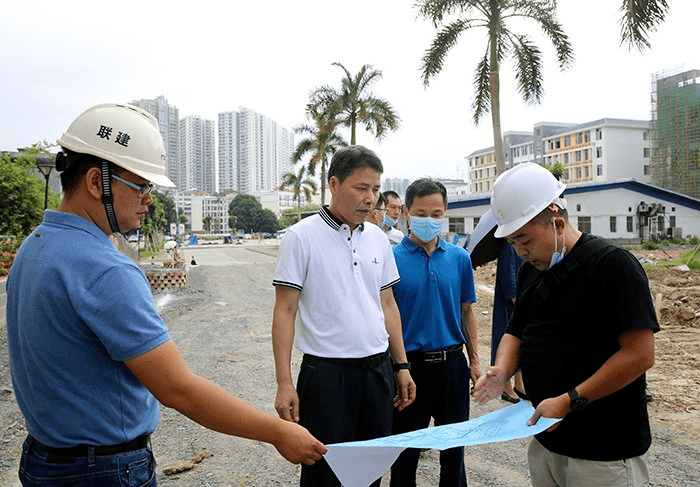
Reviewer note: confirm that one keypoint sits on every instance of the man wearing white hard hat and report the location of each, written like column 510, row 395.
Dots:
column 582, row 332
column 89, row 354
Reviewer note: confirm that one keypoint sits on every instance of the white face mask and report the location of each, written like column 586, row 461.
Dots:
column 556, row 256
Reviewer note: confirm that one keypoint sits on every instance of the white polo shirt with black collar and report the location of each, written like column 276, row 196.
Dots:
column 340, row 275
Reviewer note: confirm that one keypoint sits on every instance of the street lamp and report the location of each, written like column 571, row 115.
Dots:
column 45, row 164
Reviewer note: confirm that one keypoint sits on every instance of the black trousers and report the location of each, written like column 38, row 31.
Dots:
column 442, row 392
column 343, row 402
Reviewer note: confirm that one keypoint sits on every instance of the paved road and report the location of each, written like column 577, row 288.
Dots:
column 223, row 255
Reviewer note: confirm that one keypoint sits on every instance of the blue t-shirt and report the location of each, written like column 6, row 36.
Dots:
column 76, row 308
column 430, row 294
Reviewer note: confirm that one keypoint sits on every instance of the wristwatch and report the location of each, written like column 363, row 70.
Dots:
column 398, row 366
column 578, row 403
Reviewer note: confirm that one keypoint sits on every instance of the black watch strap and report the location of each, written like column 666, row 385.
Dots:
column 402, row 365
column 578, row 403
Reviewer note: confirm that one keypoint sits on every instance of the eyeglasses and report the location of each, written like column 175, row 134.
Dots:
column 143, row 189
column 382, row 210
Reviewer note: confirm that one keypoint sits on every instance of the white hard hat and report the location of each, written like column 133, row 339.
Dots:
column 521, row 193
column 123, row 134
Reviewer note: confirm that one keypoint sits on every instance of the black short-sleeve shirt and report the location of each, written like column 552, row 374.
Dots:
column 567, row 337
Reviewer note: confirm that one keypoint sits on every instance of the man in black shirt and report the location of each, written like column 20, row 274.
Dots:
column 582, row 332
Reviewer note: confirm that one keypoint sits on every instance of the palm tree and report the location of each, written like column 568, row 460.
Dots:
column 501, row 42
column 299, row 184
column 639, row 18
column 358, row 105
column 322, row 139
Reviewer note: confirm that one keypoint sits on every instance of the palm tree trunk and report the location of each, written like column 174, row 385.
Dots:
column 499, row 152
column 323, row 181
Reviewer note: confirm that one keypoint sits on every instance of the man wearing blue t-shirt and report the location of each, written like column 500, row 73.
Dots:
column 435, row 296
column 89, row 354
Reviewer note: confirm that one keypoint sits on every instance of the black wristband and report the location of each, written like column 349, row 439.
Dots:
column 399, row 366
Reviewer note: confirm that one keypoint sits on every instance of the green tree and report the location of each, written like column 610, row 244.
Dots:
column 299, row 184
column 206, row 221
column 494, row 16
column 639, row 19
column 22, row 194
column 321, row 138
column 357, row 104
column 247, row 214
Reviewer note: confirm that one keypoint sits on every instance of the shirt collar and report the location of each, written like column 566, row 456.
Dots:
column 333, row 221
column 414, row 247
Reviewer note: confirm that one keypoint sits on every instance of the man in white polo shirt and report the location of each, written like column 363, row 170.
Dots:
column 336, row 272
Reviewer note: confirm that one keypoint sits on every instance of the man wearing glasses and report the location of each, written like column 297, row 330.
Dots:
column 391, row 218
column 89, row 354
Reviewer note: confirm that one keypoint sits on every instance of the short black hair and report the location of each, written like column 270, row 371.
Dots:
column 381, row 200
column 347, row 159
column 391, row 193
column 78, row 165
column 425, row 187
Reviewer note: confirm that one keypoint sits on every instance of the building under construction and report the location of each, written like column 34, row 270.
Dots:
column 675, row 131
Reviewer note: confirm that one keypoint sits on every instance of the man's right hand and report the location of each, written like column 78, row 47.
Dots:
column 287, row 403
column 297, row 445
column 489, row 385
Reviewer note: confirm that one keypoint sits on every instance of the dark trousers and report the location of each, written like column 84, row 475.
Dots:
column 442, row 392
column 343, row 402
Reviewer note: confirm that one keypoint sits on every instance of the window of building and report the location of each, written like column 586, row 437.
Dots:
column 672, row 221
column 578, row 173
column 630, row 224
column 584, row 224
column 578, row 156
column 579, row 137
column 456, row 225
column 647, row 171
column 599, row 170
column 587, row 170
column 587, row 136
column 598, row 152
column 598, row 134
column 647, row 152
column 645, row 135
column 613, row 224
column 567, row 141
column 566, row 158
column 476, row 221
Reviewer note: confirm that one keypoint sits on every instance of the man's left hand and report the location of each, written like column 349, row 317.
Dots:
column 407, row 389
column 554, row 407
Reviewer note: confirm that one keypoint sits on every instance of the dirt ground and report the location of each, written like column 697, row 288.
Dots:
column 221, row 324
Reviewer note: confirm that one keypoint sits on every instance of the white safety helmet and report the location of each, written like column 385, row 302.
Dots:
column 123, row 134
column 521, row 193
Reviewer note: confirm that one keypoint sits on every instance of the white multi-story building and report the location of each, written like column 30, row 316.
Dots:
column 169, row 121
column 197, row 155
column 602, row 150
column 205, row 213
column 254, row 152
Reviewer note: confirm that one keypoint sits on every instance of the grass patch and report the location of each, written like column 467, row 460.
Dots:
column 691, row 258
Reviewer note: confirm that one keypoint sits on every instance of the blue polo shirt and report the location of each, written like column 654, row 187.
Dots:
column 76, row 309
column 431, row 292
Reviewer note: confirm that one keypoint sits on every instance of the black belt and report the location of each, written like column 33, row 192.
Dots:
column 363, row 363
column 82, row 450
column 436, row 356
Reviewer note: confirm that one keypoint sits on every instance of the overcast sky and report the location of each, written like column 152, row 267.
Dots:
column 58, row 58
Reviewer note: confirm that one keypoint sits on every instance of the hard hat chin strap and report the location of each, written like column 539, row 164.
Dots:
column 107, row 198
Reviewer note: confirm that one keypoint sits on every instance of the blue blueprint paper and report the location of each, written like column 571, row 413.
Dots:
column 359, row 463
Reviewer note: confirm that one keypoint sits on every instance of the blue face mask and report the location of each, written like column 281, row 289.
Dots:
column 557, row 256
column 426, row 228
column 388, row 221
